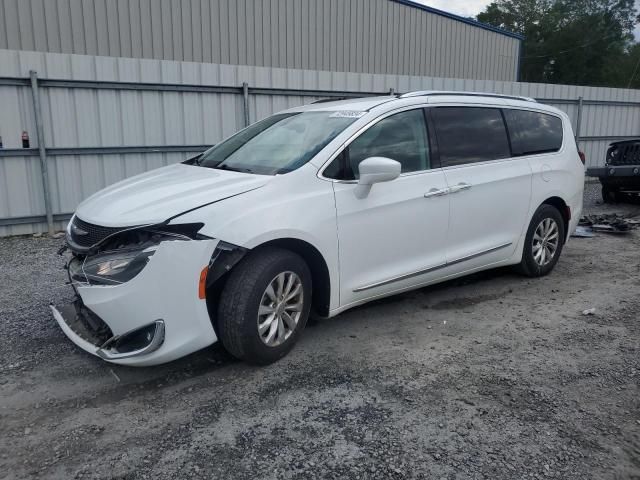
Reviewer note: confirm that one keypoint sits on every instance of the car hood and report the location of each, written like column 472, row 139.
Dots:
column 158, row 195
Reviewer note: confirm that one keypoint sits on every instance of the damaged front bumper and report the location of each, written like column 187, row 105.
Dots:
column 157, row 316
column 92, row 334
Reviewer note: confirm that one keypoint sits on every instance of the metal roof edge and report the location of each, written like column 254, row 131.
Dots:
column 452, row 16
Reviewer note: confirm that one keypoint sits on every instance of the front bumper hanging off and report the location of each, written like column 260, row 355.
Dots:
column 155, row 317
column 92, row 334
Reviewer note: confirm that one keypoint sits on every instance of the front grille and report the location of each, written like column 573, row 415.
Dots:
column 627, row 153
column 86, row 234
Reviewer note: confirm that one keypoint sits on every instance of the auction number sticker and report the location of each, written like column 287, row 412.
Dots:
column 347, row 114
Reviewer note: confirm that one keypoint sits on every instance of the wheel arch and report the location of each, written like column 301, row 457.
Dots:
column 321, row 292
column 564, row 210
column 320, row 277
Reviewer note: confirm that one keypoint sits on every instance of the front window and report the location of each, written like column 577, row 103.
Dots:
column 401, row 137
column 278, row 144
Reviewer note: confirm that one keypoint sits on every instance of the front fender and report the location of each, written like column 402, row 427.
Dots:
column 295, row 206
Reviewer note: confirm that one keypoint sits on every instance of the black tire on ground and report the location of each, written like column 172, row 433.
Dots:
column 528, row 265
column 240, row 300
column 621, row 197
column 610, row 194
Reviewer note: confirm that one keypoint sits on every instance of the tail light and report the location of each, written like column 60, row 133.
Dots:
column 583, row 159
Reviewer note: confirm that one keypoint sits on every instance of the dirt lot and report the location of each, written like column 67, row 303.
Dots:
column 494, row 376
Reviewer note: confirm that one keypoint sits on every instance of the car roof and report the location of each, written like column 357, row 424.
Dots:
column 361, row 104
column 433, row 97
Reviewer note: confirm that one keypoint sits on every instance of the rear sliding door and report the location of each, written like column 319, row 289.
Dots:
column 490, row 190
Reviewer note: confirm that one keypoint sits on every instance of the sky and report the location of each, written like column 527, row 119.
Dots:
column 464, row 8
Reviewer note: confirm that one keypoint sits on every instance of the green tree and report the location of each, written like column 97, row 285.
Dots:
column 628, row 71
column 586, row 42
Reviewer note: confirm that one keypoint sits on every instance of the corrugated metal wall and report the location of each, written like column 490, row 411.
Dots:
column 372, row 36
column 79, row 117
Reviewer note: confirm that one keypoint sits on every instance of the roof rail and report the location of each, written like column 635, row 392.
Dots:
column 428, row 93
column 331, row 99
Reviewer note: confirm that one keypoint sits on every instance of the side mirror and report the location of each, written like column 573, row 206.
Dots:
column 375, row 170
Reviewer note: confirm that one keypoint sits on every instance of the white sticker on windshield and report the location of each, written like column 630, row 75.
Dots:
column 347, row 114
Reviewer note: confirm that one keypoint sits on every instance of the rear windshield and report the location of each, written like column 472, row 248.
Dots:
column 278, row 144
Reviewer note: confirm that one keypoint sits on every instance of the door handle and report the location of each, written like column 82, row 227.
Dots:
column 459, row 187
column 435, row 192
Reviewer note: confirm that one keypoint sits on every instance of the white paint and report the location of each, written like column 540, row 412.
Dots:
column 154, row 196
column 394, row 238
column 166, row 289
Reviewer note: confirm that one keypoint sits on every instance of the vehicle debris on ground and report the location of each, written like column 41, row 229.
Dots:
column 613, row 223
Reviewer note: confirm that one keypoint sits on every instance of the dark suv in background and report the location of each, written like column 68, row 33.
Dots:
column 621, row 173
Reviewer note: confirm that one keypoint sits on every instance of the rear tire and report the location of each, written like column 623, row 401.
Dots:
column 610, row 194
column 256, row 322
column 543, row 242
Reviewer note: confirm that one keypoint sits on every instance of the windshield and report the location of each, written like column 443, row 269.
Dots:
column 278, row 144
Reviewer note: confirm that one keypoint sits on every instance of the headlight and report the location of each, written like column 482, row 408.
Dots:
column 123, row 255
column 111, row 268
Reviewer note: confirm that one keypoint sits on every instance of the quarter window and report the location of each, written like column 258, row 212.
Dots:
column 401, row 137
column 533, row 132
column 470, row 134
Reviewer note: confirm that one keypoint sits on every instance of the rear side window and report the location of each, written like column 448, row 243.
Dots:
column 533, row 132
column 470, row 134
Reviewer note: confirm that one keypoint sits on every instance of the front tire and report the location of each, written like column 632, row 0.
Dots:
column 543, row 242
column 265, row 305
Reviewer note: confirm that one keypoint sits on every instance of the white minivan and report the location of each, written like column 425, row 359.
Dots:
column 317, row 209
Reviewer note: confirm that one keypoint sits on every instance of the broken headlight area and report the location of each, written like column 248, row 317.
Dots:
column 111, row 268
column 124, row 255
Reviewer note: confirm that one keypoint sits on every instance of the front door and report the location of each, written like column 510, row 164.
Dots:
column 395, row 237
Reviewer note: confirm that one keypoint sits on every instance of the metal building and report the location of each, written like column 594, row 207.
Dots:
column 360, row 36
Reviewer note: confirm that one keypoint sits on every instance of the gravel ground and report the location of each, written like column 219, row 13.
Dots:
column 493, row 376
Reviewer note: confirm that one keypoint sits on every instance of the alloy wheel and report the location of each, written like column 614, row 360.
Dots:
column 545, row 241
column 280, row 308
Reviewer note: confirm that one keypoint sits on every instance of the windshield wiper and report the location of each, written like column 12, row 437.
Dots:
column 194, row 160
column 233, row 169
